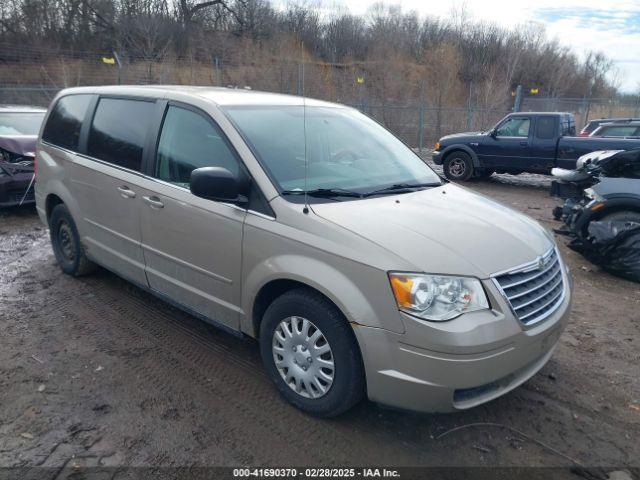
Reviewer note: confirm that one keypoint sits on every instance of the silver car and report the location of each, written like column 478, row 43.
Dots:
column 311, row 228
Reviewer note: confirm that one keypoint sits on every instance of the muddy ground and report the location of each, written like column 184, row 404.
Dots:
column 94, row 371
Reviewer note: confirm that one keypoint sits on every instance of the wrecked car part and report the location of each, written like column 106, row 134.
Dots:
column 614, row 246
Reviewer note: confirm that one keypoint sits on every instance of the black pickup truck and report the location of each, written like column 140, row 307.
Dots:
column 520, row 142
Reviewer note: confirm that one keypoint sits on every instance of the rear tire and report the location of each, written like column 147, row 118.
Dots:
column 66, row 243
column 458, row 166
column 322, row 384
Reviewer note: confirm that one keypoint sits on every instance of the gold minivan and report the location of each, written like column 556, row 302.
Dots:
column 308, row 226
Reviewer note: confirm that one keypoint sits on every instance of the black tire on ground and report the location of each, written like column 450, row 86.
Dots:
column 348, row 386
column 458, row 166
column 66, row 243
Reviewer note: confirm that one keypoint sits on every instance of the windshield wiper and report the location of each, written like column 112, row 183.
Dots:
column 325, row 193
column 400, row 188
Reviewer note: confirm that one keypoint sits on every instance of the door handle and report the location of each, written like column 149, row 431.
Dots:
column 126, row 192
column 524, row 144
column 154, row 202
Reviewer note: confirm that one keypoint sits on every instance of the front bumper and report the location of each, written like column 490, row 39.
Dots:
column 455, row 365
column 436, row 156
column 13, row 189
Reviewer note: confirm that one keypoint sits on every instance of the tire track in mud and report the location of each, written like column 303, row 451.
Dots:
column 186, row 345
column 185, row 352
column 230, row 412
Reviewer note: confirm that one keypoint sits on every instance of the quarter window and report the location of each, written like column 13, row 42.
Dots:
column 119, row 130
column 189, row 141
column 514, row 127
column 65, row 121
column 546, row 128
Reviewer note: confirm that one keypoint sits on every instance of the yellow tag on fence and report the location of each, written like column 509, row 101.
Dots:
column 110, row 61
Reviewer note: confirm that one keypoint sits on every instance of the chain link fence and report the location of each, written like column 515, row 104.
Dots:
column 584, row 109
column 418, row 126
column 418, row 123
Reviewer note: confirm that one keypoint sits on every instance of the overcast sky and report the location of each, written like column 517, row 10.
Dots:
column 611, row 26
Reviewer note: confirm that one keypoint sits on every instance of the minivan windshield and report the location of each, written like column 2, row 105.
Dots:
column 342, row 152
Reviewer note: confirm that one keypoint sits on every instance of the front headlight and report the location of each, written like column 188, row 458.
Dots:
column 437, row 297
column 436, row 147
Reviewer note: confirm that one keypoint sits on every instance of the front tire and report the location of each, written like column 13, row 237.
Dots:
column 458, row 167
column 310, row 352
column 66, row 243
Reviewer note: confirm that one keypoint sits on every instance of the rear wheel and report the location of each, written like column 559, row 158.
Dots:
column 66, row 243
column 458, row 166
column 310, row 352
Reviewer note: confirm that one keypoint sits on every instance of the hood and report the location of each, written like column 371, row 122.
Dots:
column 617, row 187
column 447, row 229
column 24, row 145
column 458, row 136
column 593, row 157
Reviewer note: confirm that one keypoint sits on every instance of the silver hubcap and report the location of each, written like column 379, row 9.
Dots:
column 457, row 167
column 303, row 357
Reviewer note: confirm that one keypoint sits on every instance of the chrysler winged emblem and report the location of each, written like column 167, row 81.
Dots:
column 541, row 263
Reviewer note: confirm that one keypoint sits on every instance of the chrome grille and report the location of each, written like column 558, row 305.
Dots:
column 535, row 290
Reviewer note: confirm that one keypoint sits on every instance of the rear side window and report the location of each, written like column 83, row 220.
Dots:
column 65, row 121
column 568, row 126
column 119, row 130
column 546, row 127
column 618, row 131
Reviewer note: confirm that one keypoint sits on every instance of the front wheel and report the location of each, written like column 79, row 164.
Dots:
column 458, row 167
column 311, row 354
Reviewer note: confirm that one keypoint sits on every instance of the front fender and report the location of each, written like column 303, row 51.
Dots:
column 612, row 205
column 375, row 309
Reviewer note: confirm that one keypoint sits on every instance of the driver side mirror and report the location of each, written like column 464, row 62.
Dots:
column 493, row 133
column 219, row 184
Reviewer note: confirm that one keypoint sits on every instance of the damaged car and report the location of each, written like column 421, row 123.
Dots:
column 19, row 127
column 601, row 209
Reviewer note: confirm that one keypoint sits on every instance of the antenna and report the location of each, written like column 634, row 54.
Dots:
column 306, row 160
column 305, row 210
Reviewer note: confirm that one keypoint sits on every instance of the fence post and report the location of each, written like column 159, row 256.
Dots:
column 469, row 111
column 299, row 91
column 117, row 57
column 216, row 67
column 637, row 110
column 421, row 120
column 517, row 104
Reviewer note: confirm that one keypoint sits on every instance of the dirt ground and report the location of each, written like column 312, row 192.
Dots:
column 94, row 371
